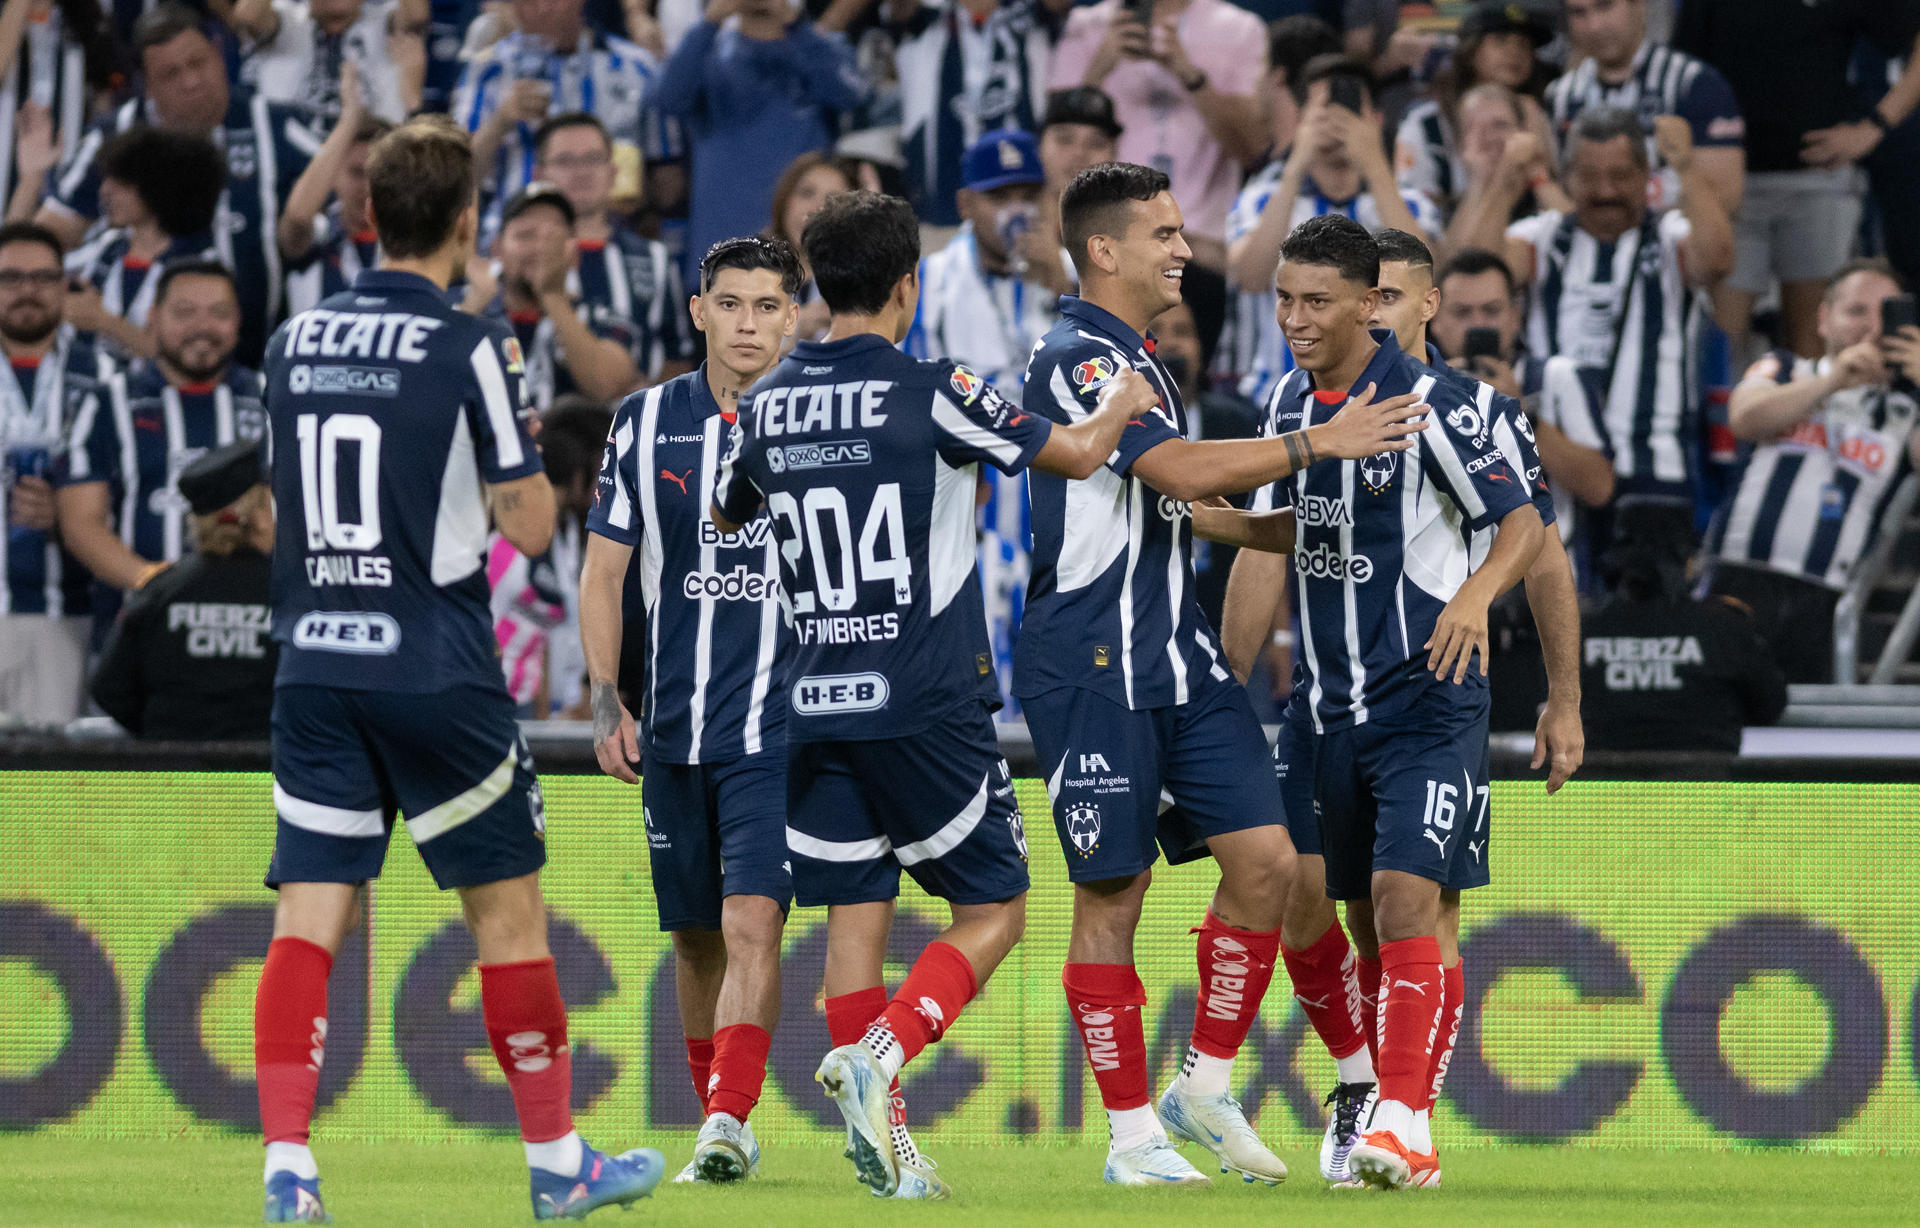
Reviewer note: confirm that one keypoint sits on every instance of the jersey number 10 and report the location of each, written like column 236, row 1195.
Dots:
column 320, row 456
column 819, row 522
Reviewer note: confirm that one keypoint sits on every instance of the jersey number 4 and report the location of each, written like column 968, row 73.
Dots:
column 818, row 531
column 323, row 447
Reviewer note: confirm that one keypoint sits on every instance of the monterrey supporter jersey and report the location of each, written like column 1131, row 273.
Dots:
column 390, row 412
column 630, row 282
column 1382, row 544
column 1111, row 606
column 39, row 401
column 716, row 668
column 868, row 461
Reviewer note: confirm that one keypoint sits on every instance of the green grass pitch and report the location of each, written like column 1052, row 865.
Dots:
column 72, row 1182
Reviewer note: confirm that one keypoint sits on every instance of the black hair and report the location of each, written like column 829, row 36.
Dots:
column 162, row 24
column 1097, row 200
column 572, row 436
column 1601, row 125
column 749, row 252
column 1473, row 261
column 567, row 119
column 1325, row 68
column 1293, row 42
column 859, row 245
column 179, row 177
column 196, row 266
column 32, row 232
column 1335, row 240
column 1399, row 247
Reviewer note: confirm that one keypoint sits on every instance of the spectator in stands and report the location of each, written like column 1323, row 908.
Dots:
column 573, row 438
column 620, row 277
column 267, row 145
column 1338, row 164
column 802, row 188
column 55, row 55
column 1078, row 130
column 1662, row 672
column 1292, row 44
column 1499, row 45
column 1611, row 286
column 1832, row 440
column 159, row 197
column 296, row 49
column 1186, row 86
column 1210, row 415
column 47, row 380
column 326, row 234
column 565, row 348
column 120, row 507
column 192, row 657
column 755, row 89
column 1490, row 117
column 1806, row 133
column 966, row 67
column 1621, row 65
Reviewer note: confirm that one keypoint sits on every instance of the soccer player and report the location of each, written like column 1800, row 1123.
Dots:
column 867, row 460
column 1127, row 696
column 400, row 430
column 713, row 743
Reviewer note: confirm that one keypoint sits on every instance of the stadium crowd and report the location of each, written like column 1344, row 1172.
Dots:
column 1680, row 232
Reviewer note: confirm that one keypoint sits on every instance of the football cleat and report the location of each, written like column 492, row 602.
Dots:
column 691, row 1173
column 1426, row 1171
column 1351, row 1103
column 1152, row 1163
column 295, row 1200
column 853, row 1079
column 1218, row 1124
column 721, row 1150
column 919, row 1180
column 1382, row 1160
column 602, row 1180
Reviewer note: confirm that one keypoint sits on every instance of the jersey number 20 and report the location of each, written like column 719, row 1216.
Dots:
column 321, row 445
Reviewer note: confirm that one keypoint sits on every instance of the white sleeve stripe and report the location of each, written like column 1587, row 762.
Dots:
column 620, row 515
column 1449, row 461
column 493, row 391
column 82, row 162
column 966, row 431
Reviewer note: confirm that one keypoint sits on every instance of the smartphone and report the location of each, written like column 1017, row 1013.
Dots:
column 1140, row 10
column 1898, row 312
column 1347, row 91
column 1481, row 343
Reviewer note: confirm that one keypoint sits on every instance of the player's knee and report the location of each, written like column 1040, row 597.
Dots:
column 752, row 923
column 1010, row 923
column 701, row 952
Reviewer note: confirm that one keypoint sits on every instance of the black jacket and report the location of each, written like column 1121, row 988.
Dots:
column 1675, row 675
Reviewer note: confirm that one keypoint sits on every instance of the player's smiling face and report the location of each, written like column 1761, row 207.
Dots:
column 1323, row 314
column 745, row 315
column 1153, row 254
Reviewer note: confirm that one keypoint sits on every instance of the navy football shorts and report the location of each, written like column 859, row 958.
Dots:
column 1407, row 792
column 715, row 830
column 1295, row 752
column 939, row 805
column 453, row 763
column 1125, row 781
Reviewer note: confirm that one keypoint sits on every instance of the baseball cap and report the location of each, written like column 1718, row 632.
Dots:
column 538, row 192
column 218, row 478
column 1082, row 104
column 1001, row 158
column 1507, row 17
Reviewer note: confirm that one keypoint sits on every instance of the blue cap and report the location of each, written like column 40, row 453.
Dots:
column 1001, row 158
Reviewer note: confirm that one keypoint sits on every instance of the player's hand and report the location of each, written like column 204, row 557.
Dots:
column 30, row 506
column 1460, row 630
column 1132, row 392
column 1364, row 427
column 614, row 743
column 1561, row 738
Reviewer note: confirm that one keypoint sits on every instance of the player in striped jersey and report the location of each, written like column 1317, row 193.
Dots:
column 1126, row 694
column 712, row 747
column 1832, row 438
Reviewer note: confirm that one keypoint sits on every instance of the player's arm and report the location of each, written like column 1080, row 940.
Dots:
column 523, row 511
column 1559, row 736
column 1461, row 628
column 1256, row 587
column 602, row 582
column 1270, row 532
column 85, row 510
column 736, row 497
column 1077, row 450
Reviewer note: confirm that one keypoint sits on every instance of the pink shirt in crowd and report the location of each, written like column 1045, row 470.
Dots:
column 1164, row 129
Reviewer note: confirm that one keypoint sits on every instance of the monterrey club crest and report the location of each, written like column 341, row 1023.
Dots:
column 1093, row 373
column 1376, row 472
column 966, row 384
column 1083, row 827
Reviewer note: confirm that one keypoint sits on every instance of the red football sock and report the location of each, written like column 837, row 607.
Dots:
column 289, row 1036
column 700, row 1065
column 940, row 983
column 1453, row 1004
column 739, row 1068
column 1324, row 986
column 1412, row 987
column 1105, row 1000
column 1236, row 966
column 1367, row 974
column 848, row 1017
column 527, row 1027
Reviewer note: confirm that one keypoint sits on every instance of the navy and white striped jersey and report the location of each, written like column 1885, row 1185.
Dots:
column 49, row 69
column 1426, row 154
column 868, row 461
column 267, row 145
column 547, row 375
column 632, row 282
column 1661, row 81
column 1810, row 503
column 334, row 262
column 39, row 402
column 716, row 663
column 1624, row 309
column 141, row 431
column 1112, row 606
column 391, row 412
column 1382, row 544
column 127, row 283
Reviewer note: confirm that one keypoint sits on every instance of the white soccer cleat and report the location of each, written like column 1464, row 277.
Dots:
column 918, row 1180
column 856, row 1084
column 1218, row 1124
column 721, row 1152
column 1351, row 1103
column 691, row 1173
column 1154, row 1162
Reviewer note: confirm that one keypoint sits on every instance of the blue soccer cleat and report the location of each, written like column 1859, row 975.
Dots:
column 602, row 1180
column 295, row 1200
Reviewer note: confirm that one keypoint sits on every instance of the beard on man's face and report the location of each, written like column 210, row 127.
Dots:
column 199, row 357
column 28, row 323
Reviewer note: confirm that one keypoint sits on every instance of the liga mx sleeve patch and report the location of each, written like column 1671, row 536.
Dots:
column 1094, row 374
column 966, row 385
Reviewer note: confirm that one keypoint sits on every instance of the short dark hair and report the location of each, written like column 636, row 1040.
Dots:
column 196, row 266
column 573, row 435
column 1600, row 125
column 1876, row 265
column 162, row 24
column 1293, row 42
column 1399, row 247
column 1325, row 68
column 32, row 232
column 179, row 177
column 860, row 244
column 749, row 252
column 419, row 178
column 564, row 120
column 1095, row 203
column 1471, row 262
column 371, row 129
column 1335, row 240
